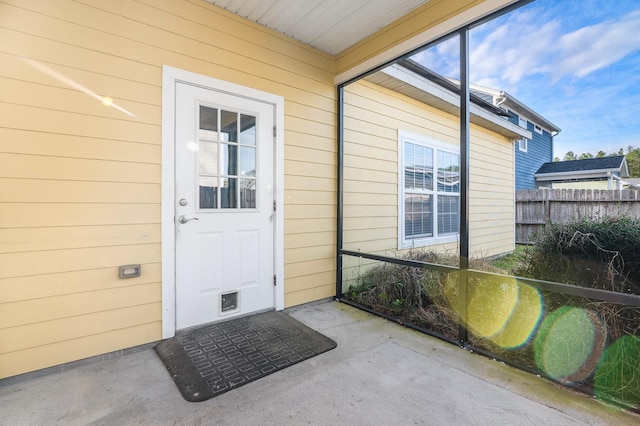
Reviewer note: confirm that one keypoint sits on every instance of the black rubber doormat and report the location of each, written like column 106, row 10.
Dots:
column 207, row 361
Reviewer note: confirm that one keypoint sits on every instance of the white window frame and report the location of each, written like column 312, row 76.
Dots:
column 523, row 144
column 537, row 129
column 404, row 243
column 522, row 122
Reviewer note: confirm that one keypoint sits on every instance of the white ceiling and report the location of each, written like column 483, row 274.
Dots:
column 329, row 25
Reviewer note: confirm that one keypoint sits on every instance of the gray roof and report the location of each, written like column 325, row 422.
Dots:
column 591, row 164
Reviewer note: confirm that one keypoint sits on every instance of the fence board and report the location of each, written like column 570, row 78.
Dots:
column 536, row 208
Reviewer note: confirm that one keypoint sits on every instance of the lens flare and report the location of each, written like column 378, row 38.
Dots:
column 502, row 310
column 524, row 319
column 569, row 344
column 618, row 374
column 491, row 303
column 105, row 100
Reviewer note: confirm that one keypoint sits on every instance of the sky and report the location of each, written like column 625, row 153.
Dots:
column 575, row 62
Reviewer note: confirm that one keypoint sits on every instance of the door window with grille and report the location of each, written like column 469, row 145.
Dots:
column 227, row 158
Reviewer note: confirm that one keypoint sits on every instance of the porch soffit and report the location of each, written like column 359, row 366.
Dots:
column 331, row 26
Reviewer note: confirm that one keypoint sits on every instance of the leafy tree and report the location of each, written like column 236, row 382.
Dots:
column 585, row 156
column 601, row 154
column 556, row 159
column 633, row 162
column 569, row 156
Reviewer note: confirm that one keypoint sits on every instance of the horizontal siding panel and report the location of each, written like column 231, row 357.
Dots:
column 304, row 225
column 41, row 286
column 54, row 261
column 295, row 298
column 484, row 157
column 48, row 51
column 429, row 118
column 44, row 333
column 384, row 247
column 73, row 101
column 372, row 223
column 365, row 141
column 13, row 67
column 64, row 191
column 306, row 254
column 43, row 167
column 354, row 149
column 309, row 239
column 305, row 127
column 367, row 175
column 304, row 269
column 310, row 112
column 304, row 283
column 302, row 168
column 16, row 240
column 310, row 197
column 301, row 211
column 61, row 145
column 112, row 7
column 302, row 183
column 379, row 211
column 60, row 214
column 484, row 181
column 309, row 153
column 355, row 125
column 72, row 305
column 398, row 108
column 324, row 101
column 371, row 163
column 45, row 120
column 352, row 187
column 32, row 359
column 322, row 145
column 41, row 25
column 353, row 236
column 370, row 199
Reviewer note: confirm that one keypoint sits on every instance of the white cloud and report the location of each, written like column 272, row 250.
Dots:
column 591, row 48
column 521, row 47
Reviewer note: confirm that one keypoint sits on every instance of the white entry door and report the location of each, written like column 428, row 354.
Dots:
column 223, row 205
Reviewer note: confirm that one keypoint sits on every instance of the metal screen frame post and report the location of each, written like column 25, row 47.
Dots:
column 340, row 189
column 463, row 334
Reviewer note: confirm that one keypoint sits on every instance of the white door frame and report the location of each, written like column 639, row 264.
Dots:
column 170, row 76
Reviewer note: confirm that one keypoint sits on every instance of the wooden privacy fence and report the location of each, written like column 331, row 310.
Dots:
column 535, row 208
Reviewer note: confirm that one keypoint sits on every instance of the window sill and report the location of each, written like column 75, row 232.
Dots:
column 426, row 242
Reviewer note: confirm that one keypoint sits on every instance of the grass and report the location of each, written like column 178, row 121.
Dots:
column 512, row 261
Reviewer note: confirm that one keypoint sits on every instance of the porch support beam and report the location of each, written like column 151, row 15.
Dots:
column 340, row 189
column 464, row 183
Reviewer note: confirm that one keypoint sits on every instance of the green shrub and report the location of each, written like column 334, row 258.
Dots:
column 602, row 254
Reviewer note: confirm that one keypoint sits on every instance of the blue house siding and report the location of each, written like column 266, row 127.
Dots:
column 539, row 151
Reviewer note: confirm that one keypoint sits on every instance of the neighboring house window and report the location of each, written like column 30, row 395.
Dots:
column 537, row 128
column 522, row 122
column 523, row 144
column 429, row 202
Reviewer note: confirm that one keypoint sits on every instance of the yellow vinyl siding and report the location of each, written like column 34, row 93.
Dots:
column 80, row 189
column 594, row 184
column 373, row 113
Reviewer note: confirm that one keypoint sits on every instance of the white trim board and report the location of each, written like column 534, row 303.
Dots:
column 170, row 76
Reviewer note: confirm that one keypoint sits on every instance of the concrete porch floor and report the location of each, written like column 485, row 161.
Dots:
column 380, row 374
